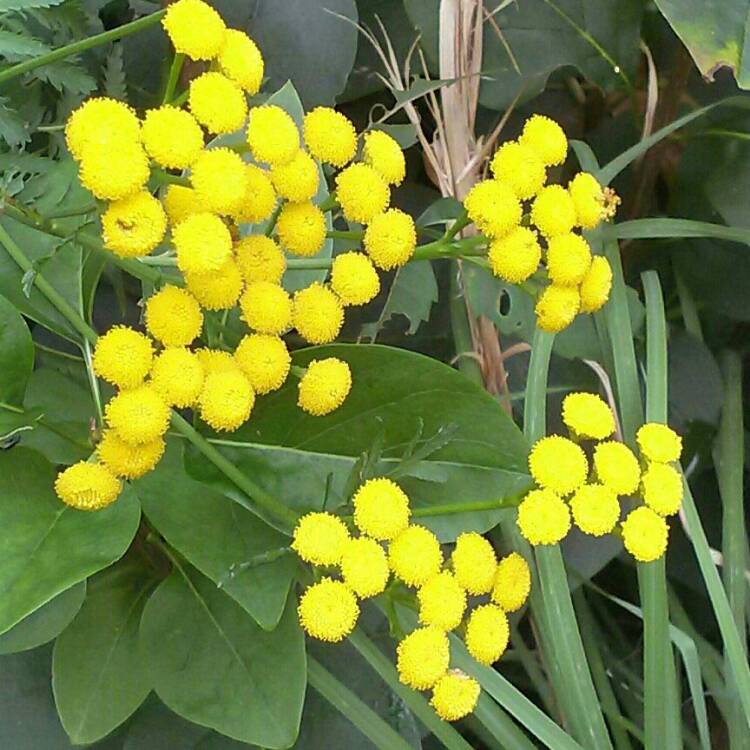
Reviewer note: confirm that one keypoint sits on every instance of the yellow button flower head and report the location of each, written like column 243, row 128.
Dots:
column 266, row 308
column 617, row 467
column 173, row 316
column 362, row 193
column 657, row 442
column 474, row 563
column 588, row 198
column 123, row 357
column 219, row 177
column 455, row 695
column 139, row 415
column 203, row 243
column 390, row 239
column 596, row 285
column 381, row 509
column 324, row 387
column 493, row 207
column 515, row 257
column 102, row 121
column 129, row 461
column 180, row 202
column 272, row 135
column 87, row 486
column 240, row 60
column 512, row 583
column 114, row 173
column 216, row 290
column 595, row 509
column 557, row 307
column 552, row 211
column 415, row 555
column 442, row 601
column 662, row 488
column 329, row 136
column 265, row 361
column 364, row 567
column 320, row 538
column 217, row 103
column 383, row 154
column 568, row 259
column 259, row 200
column 301, row 228
column 177, row 376
column 520, row 168
column 354, row 279
column 645, row 534
column 588, row 416
column 172, row 137
column 226, row 400
column 546, row 138
column 195, row 28
column 558, row 464
column 487, row 633
column 134, row 225
column 543, row 517
column 216, row 360
column 328, row 610
column 297, row 180
column 260, row 259
column 317, row 314
column 423, row 658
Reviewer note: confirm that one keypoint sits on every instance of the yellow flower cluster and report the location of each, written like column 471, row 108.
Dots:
column 568, row 490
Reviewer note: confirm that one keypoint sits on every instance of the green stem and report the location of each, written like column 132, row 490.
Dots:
column 272, row 221
column 448, row 509
column 93, row 383
column 338, row 234
column 163, row 177
column 174, row 75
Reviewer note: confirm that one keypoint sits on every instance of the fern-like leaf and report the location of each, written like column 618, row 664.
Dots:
column 114, row 74
column 13, row 129
column 67, row 75
column 15, row 46
column 8, row 5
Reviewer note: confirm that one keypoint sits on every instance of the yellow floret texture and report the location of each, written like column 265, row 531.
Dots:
column 219, row 177
column 568, row 259
column 177, row 376
column 265, row 360
column 557, row 307
column 297, row 180
column 134, row 225
column 173, row 316
column 129, row 461
column 362, row 193
column 662, row 488
column 203, row 243
column 381, row 509
column 101, row 121
column 217, row 290
column 596, row 285
column 260, row 259
column 487, row 633
column 546, row 139
column 272, row 135
column 553, row 212
column 354, row 279
column 259, row 200
column 301, row 228
column 520, row 168
column 87, row 486
column 512, row 583
column 364, row 567
column 415, row 555
column 558, row 464
column 645, row 534
column 390, row 239
column 328, row 610
column 317, row 314
column 493, row 207
column 617, row 467
column 543, row 517
column 172, row 137
column 474, row 563
column 123, row 357
column 240, row 60
column 455, row 695
column 113, row 174
column 217, row 103
column 588, row 416
column 329, row 136
column 195, row 29
column 423, row 657
column 515, row 257
column 657, row 442
column 442, row 601
column 266, row 308
column 595, row 509
column 139, row 415
column 320, row 538
column 383, row 154
column 226, row 400
column 325, row 386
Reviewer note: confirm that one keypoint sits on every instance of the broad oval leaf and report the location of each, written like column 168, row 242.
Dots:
column 16, row 355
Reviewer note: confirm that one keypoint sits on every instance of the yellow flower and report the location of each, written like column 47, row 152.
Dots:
column 102, row 121
column 493, row 207
column 240, row 59
column 219, row 177
column 216, row 290
column 474, row 563
column 362, row 193
column 195, row 28
column 354, row 279
column 588, row 199
column 260, row 259
column 317, row 314
column 297, row 180
column 423, row 658
column 662, row 488
column 617, row 467
column 134, row 225
column 172, row 137
column 546, row 138
column 266, row 308
column 645, row 534
column 552, row 211
column 123, row 357
column 181, row 202
column 320, row 538
column 595, row 509
column 381, row 509
column 177, row 376
column 568, row 259
column 558, row 464
column 259, row 200
column 512, row 583
column 543, row 517
column 325, row 386
column 87, row 486
column 265, row 361
column 385, row 156
column 129, row 461
column 442, row 601
column 328, row 610
column 364, row 567
column 515, row 257
column 455, row 695
column 520, row 168
column 596, row 285
column 114, row 173
column 203, row 243
column 215, row 360
column 487, row 633
column 226, row 400
column 557, row 307
column 415, row 555
column 588, row 416
column 217, row 103
column 657, row 442
column 330, row 136
column 390, row 239
column 301, row 228
column 173, row 316
column 272, row 135
column 139, row 415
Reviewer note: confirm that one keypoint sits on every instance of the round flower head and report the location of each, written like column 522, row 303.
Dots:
column 474, row 563
column 177, row 376
column 87, row 486
column 217, row 103
column 515, row 257
column 552, row 211
column 568, row 259
column 216, row 290
column 381, row 509
column 102, row 121
column 558, row 464
column 328, row 610
column 272, row 135
column 442, row 601
column 172, row 137
column 260, row 259
column 362, row 193
column 557, row 307
column 139, row 415
column 195, row 28
column 324, row 387
column 219, row 177
column 173, row 316
column 128, row 461
column 390, row 239
column 111, row 174
column 543, row 517
column 588, row 199
column 455, row 695
column 415, row 555
column 645, row 534
column 354, row 279
column 493, row 207
column 520, row 168
column 226, row 400
column 180, row 202
column 259, row 200
column 320, row 538
column 588, row 416
column 512, row 583
column 215, row 360
column 329, row 136
column 384, row 155
column 595, row 509
column 596, row 285
column 297, row 180
column 134, row 225
column 662, row 488
column 487, row 633
column 266, row 308
column 239, row 59
column 657, row 442
column 545, row 138
column 423, row 657
column 123, row 357
column 301, row 228
column 203, row 243
column 617, row 467
column 317, row 314
column 265, row 361
column 364, row 567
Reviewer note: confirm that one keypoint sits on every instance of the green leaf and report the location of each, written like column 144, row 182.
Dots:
column 16, row 354
column 8, row 5
column 211, row 664
column 67, row 76
column 13, row 128
column 639, row 229
column 114, row 74
column 47, row 547
column 13, row 45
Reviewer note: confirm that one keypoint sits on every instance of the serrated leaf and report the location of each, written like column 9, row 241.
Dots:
column 67, row 76
column 13, row 130
column 14, row 45
column 114, row 74
column 9, row 5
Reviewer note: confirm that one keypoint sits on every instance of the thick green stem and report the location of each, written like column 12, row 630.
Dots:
column 174, row 75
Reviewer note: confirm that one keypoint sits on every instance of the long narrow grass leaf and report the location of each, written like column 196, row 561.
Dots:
column 667, row 228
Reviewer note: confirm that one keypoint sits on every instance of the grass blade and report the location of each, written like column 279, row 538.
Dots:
column 666, row 228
